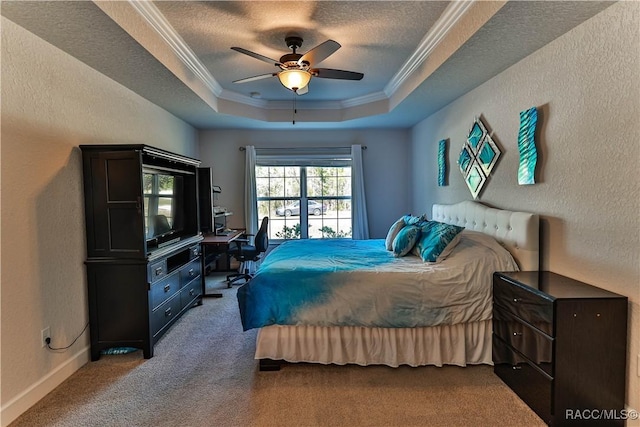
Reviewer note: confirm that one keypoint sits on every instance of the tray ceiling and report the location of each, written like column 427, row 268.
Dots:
column 416, row 56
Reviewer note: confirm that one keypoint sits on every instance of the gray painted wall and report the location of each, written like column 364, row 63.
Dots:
column 384, row 163
column 51, row 103
column 586, row 86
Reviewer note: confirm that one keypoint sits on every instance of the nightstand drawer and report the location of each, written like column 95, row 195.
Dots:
column 525, row 303
column 526, row 381
column 536, row 346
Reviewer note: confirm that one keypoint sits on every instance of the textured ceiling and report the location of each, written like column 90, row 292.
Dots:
column 380, row 38
column 377, row 38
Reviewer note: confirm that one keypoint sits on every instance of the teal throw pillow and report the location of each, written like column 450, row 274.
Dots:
column 415, row 220
column 436, row 241
column 405, row 240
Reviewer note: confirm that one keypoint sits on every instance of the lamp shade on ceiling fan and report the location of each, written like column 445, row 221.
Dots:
column 294, row 79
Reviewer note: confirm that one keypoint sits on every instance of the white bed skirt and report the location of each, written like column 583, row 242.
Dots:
column 461, row 344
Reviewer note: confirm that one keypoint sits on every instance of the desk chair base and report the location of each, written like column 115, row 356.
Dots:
column 236, row 277
column 233, row 279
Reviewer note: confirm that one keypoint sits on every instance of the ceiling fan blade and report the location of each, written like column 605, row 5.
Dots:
column 257, row 56
column 319, row 53
column 254, row 78
column 303, row 90
column 328, row 73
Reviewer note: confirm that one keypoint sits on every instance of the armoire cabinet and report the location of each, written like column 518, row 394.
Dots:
column 144, row 260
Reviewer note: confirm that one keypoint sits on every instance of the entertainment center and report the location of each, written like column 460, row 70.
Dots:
column 144, row 259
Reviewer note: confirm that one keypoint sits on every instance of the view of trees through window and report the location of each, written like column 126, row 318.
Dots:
column 305, row 201
column 158, row 197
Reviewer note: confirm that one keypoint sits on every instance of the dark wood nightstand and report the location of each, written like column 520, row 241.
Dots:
column 561, row 345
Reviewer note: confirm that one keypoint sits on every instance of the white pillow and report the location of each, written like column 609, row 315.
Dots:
column 393, row 232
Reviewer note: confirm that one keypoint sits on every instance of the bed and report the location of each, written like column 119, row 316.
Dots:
column 383, row 309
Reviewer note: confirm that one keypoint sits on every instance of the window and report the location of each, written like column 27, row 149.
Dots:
column 305, row 201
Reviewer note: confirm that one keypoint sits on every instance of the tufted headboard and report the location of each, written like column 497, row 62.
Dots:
column 516, row 231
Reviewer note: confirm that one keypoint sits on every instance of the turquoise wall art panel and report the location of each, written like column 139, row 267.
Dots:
column 478, row 157
column 442, row 163
column 527, row 146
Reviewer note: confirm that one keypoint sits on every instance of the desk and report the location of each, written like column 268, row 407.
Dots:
column 213, row 247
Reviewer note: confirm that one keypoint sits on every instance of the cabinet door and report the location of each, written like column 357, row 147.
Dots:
column 114, row 204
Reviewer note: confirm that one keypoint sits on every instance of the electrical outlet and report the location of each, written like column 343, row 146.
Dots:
column 46, row 333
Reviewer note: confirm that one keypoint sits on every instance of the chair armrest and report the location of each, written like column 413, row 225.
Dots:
column 239, row 243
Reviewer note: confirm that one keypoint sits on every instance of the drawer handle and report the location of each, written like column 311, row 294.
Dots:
column 192, row 292
column 517, row 299
column 516, row 367
column 191, row 272
column 158, row 271
column 167, row 288
column 167, row 312
column 517, row 334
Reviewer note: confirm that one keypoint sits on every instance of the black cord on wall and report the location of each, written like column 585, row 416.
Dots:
column 48, row 340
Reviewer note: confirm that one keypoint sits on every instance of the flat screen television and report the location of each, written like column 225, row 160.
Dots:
column 169, row 206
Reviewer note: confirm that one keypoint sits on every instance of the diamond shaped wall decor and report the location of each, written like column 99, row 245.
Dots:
column 478, row 157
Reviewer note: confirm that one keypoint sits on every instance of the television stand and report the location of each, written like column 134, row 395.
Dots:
column 138, row 287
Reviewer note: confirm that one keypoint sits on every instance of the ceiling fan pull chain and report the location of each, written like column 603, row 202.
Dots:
column 293, row 121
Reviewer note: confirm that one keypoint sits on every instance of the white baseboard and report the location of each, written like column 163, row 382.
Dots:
column 25, row 400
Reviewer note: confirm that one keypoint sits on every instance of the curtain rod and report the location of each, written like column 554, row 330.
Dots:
column 364, row 147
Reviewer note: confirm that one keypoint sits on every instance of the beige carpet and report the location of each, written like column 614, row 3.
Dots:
column 203, row 374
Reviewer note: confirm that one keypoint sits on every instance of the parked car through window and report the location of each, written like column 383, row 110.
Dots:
column 315, row 208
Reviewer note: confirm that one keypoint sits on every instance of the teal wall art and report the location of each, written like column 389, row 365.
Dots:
column 442, row 163
column 478, row 157
column 527, row 146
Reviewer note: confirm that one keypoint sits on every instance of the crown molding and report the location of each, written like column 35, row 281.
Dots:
column 230, row 95
column 253, row 107
column 160, row 24
column 365, row 99
column 443, row 25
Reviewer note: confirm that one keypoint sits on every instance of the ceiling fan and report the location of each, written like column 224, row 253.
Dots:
column 296, row 69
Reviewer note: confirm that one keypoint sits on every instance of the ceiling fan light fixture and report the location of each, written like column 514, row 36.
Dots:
column 294, row 79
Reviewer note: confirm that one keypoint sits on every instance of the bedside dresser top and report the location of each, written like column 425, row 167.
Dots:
column 555, row 285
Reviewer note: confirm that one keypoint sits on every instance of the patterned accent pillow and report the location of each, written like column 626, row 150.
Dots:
column 405, row 240
column 393, row 232
column 437, row 240
column 415, row 220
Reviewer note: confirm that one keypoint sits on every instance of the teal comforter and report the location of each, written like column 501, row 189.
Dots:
column 338, row 282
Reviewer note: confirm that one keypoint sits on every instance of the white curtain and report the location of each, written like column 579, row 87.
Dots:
column 360, row 224
column 250, row 192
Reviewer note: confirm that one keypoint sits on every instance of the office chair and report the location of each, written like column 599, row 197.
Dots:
column 246, row 253
column 160, row 224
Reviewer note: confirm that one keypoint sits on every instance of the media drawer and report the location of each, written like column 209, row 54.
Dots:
column 189, row 293
column 163, row 289
column 190, row 272
column 163, row 315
